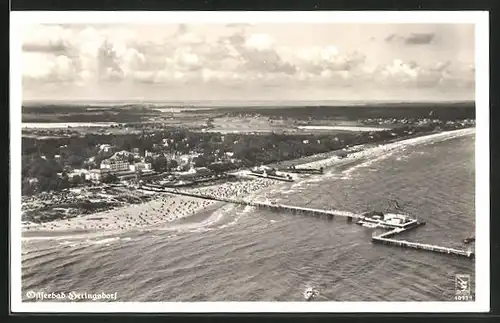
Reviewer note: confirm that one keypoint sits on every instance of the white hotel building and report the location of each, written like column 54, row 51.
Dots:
column 115, row 165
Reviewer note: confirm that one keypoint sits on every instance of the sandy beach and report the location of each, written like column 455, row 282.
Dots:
column 386, row 148
column 167, row 208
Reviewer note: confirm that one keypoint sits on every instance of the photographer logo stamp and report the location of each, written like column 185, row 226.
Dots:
column 462, row 287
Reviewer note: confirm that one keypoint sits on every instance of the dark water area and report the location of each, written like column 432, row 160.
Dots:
column 246, row 254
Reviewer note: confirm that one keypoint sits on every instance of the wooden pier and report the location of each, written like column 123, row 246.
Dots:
column 384, row 238
column 330, row 214
column 275, row 177
column 311, row 171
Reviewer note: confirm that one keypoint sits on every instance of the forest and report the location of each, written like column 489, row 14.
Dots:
column 441, row 111
column 76, row 113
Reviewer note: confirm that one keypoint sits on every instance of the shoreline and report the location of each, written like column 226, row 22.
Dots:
column 171, row 210
column 368, row 149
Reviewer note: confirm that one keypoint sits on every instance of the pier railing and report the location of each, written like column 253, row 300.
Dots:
column 423, row 246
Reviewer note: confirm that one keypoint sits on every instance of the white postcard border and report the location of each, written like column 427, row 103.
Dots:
column 482, row 261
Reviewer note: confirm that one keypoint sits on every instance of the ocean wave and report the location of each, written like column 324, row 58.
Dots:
column 102, row 241
column 245, row 211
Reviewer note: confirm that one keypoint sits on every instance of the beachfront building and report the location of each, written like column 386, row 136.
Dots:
column 169, row 156
column 184, row 160
column 105, row 148
column 115, row 165
column 122, row 154
column 140, row 167
column 95, row 175
column 194, row 174
column 33, row 180
column 166, row 142
column 187, row 159
column 78, row 172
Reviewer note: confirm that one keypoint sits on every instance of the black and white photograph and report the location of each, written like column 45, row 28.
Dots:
column 311, row 162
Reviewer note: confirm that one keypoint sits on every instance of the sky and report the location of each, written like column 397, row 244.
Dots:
column 248, row 62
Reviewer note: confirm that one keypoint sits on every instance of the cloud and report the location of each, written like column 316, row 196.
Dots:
column 256, row 53
column 266, row 61
column 419, row 39
column 238, row 25
column 182, row 29
column 184, row 57
column 411, row 39
column 48, row 68
column 259, row 42
column 400, row 74
column 50, row 47
column 318, row 59
column 108, row 63
column 391, row 37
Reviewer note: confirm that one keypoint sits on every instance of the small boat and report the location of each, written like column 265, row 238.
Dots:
column 469, row 240
column 310, row 293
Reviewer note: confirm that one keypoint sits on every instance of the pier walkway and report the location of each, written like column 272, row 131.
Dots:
column 384, row 238
column 330, row 214
column 423, row 246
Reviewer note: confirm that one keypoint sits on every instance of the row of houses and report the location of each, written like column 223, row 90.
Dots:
column 114, row 166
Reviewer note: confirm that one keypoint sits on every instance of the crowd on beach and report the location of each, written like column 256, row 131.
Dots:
column 232, row 189
column 161, row 210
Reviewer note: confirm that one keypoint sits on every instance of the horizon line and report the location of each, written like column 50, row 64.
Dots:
column 145, row 101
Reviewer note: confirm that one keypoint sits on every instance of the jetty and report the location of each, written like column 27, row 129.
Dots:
column 423, row 246
column 200, row 180
column 329, row 214
column 384, row 238
column 296, row 170
column 272, row 176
